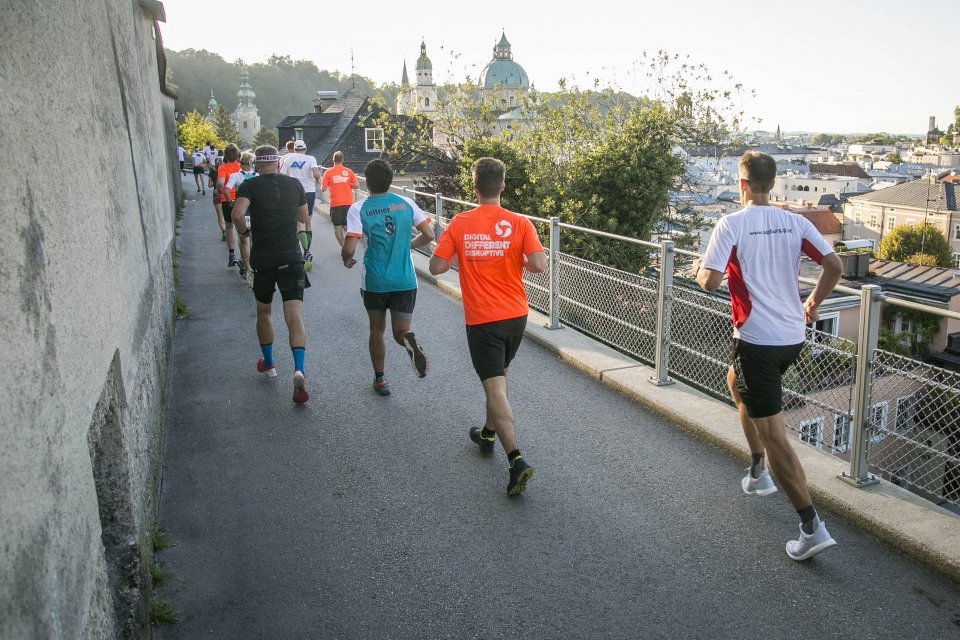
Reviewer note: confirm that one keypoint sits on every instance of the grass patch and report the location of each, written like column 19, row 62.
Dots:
column 158, row 575
column 183, row 311
column 161, row 612
column 176, row 274
column 159, row 539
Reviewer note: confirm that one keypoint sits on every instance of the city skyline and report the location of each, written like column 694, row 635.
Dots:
column 838, row 69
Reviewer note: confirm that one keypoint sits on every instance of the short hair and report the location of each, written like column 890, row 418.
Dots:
column 759, row 170
column 246, row 157
column 231, row 153
column 379, row 175
column 488, row 176
column 290, row 144
column 338, row 157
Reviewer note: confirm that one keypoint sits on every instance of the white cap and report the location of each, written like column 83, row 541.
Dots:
column 300, row 144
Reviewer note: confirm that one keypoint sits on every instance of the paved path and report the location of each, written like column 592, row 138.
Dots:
column 365, row 517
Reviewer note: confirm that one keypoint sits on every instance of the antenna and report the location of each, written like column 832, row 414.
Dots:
column 353, row 83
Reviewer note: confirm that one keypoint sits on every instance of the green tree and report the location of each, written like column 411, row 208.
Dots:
column 956, row 118
column 894, row 158
column 265, row 135
column 194, row 131
column 225, row 127
column 906, row 244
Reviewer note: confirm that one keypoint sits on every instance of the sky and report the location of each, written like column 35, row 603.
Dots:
column 836, row 66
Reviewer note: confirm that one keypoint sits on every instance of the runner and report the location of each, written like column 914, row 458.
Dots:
column 341, row 182
column 388, row 280
column 180, row 155
column 218, row 207
column 200, row 169
column 492, row 246
column 230, row 154
column 210, row 151
column 759, row 249
column 236, row 179
column 275, row 203
column 304, row 168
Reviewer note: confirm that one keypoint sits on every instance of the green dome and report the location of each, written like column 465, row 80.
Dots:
column 212, row 103
column 502, row 70
column 423, row 62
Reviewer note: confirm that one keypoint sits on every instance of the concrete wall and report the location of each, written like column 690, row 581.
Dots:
column 86, row 308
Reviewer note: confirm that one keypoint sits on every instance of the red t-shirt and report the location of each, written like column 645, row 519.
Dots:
column 490, row 244
column 224, row 171
column 341, row 181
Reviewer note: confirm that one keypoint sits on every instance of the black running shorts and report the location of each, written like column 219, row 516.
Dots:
column 311, row 197
column 398, row 301
column 227, row 210
column 290, row 280
column 758, row 369
column 494, row 344
column 338, row 215
column 199, row 171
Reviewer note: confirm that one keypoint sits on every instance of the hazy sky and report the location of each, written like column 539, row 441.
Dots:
column 816, row 65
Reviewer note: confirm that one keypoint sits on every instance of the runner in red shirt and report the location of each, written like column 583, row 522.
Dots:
column 492, row 246
column 231, row 155
column 341, row 182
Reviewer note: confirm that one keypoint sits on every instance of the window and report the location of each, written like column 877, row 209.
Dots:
column 244, row 124
column 903, row 421
column 828, row 323
column 891, row 222
column 840, row 442
column 911, row 222
column 811, row 432
column 298, row 134
column 956, row 261
column 878, row 420
column 374, row 140
column 956, row 232
column 426, row 102
column 873, row 219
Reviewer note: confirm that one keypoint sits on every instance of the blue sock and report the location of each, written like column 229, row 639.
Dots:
column 267, row 351
column 299, row 354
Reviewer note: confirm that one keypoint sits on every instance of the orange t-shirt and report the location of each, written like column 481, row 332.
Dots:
column 490, row 244
column 340, row 180
column 225, row 171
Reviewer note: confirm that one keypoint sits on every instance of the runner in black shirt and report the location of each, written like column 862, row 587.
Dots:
column 275, row 203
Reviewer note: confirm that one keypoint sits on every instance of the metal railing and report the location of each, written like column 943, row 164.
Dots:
column 880, row 411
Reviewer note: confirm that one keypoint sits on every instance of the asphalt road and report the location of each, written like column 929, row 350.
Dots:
column 357, row 516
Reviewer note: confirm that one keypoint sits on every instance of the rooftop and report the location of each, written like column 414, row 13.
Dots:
column 938, row 195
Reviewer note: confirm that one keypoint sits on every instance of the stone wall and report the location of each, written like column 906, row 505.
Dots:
column 86, row 306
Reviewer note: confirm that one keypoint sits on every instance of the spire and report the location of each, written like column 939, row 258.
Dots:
column 245, row 95
column 405, row 80
column 502, row 50
column 212, row 103
column 423, row 62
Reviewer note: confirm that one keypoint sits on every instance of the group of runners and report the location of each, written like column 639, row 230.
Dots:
column 757, row 249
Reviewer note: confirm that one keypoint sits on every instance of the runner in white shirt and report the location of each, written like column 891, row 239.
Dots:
column 199, row 169
column 759, row 249
column 180, row 155
column 304, row 168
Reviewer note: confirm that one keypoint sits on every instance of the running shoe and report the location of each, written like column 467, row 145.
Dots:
column 417, row 357
column 232, row 261
column 762, row 485
column 300, row 394
column 204, row 192
column 520, row 472
column 249, row 278
column 485, row 444
column 810, row 545
column 198, row 189
column 307, row 261
column 270, row 372
column 382, row 387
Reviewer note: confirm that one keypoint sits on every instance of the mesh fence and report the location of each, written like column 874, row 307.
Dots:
column 915, row 426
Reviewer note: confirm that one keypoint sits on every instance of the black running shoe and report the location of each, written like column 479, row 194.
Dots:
column 520, row 472
column 485, row 444
column 417, row 357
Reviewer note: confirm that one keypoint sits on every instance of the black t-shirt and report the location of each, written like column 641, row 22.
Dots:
column 274, row 202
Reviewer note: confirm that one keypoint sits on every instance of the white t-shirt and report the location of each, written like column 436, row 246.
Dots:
column 211, row 154
column 759, row 248
column 198, row 159
column 180, row 153
column 237, row 178
column 300, row 166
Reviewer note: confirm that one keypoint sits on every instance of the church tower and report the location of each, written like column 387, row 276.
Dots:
column 406, row 98
column 211, row 107
column 426, row 91
column 246, row 116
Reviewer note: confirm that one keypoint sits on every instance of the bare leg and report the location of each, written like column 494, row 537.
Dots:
column 749, row 428
column 264, row 323
column 245, row 252
column 499, row 411
column 378, row 324
column 293, row 315
column 231, row 237
column 488, row 424
column 783, row 460
column 339, row 234
column 400, row 325
column 219, row 216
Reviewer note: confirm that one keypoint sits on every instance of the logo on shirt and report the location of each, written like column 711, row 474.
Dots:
column 298, row 165
column 389, row 227
column 503, row 229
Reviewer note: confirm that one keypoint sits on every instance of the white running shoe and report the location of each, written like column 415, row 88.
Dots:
column 762, row 485
column 808, row 546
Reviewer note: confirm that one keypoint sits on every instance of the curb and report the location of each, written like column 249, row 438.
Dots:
column 905, row 521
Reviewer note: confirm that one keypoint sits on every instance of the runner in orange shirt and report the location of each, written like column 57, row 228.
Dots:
column 231, row 154
column 341, row 182
column 492, row 246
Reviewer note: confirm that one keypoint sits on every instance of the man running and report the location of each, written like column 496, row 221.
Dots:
column 234, row 181
column 180, row 155
column 275, row 204
column 230, row 166
column 492, row 246
column 389, row 283
column 759, row 249
column 304, row 168
column 341, row 182
column 200, row 171
column 210, row 151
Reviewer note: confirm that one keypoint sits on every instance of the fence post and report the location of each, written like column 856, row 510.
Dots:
column 863, row 387
column 439, row 208
column 554, row 274
column 661, row 374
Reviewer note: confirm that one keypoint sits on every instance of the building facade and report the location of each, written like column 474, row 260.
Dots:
column 420, row 98
column 503, row 82
column 245, row 116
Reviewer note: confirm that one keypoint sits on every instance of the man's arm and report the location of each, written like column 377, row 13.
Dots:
column 536, row 262
column 347, row 251
column 237, row 215
column 317, row 177
column 829, row 277
column 708, row 279
column 438, row 265
column 426, row 235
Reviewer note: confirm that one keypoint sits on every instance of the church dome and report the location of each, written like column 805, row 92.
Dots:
column 502, row 71
column 423, row 62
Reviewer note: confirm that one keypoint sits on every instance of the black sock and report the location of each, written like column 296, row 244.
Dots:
column 513, row 455
column 808, row 516
column 756, row 458
column 379, row 376
column 486, row 433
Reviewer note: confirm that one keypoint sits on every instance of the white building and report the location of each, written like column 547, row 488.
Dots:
column 245, row 116
column 421, row 97
column 809, row 187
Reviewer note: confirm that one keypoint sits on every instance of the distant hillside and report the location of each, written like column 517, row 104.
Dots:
column 283, row 86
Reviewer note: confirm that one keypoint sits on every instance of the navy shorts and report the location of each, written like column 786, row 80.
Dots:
column 311, row 198
column 398, row 301
column 493, row 345
column 758, row 369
